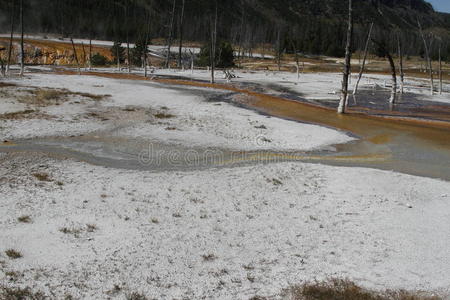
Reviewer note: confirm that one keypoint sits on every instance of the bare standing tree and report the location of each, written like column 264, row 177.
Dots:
column 241, row 33
column 169, row 40
column 348, row 57
column 145, row 50
column 400, row 58
column 127, row 28
column 84, row 55
column 90, row 52
column 22, row 46
column 363, row 65
column 10, row 46
column 297, row 60
column 180, row 33
column 213, row 43
column 427, row 53
column 440, row 69
column 279, row 49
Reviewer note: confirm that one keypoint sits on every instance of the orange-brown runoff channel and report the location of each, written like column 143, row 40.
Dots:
column 415, row 146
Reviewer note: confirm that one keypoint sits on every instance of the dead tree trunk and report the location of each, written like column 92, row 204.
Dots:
column 400, row 57
column 241, row 34
column 297, row 61
column 90, row 53
column 10, row 46
column 213, row 45
column 147, row 33
column 22, row 46
column 118, row 56
column 363, row 65
column 127, row 28
column 84, row 55
column 279, row 50
column 440, row 70
column 427, row 53
column 2, row 65
column 348, row 57
column 181, row 30
column 169, row 40
column 192, row 61
column 76, row 56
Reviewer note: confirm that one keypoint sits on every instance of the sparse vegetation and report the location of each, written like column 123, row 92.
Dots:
column 13, row 254
column 8, row 293
column 76, row 231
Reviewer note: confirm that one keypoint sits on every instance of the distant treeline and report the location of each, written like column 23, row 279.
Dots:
column 307, row 26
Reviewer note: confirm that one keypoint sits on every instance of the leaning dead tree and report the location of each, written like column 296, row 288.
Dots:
column 427, row 53
column 169, row 39
column 348, row 57
column 363, row 65
column 75, row 56
column 22, row 46
column 400, row 58
column 384, row 52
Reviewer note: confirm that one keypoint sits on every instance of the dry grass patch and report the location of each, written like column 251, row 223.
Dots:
column 162, row 115
column 7, row 293
column 13, row 254
column 24, row 219
column 77, row 231
column 136, row 296
column 42, row 177
column 338, row 289
column 6, row 84
column 48, row 96
column 18, row 115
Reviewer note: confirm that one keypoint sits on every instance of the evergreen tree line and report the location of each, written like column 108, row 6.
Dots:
column 310, row 27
